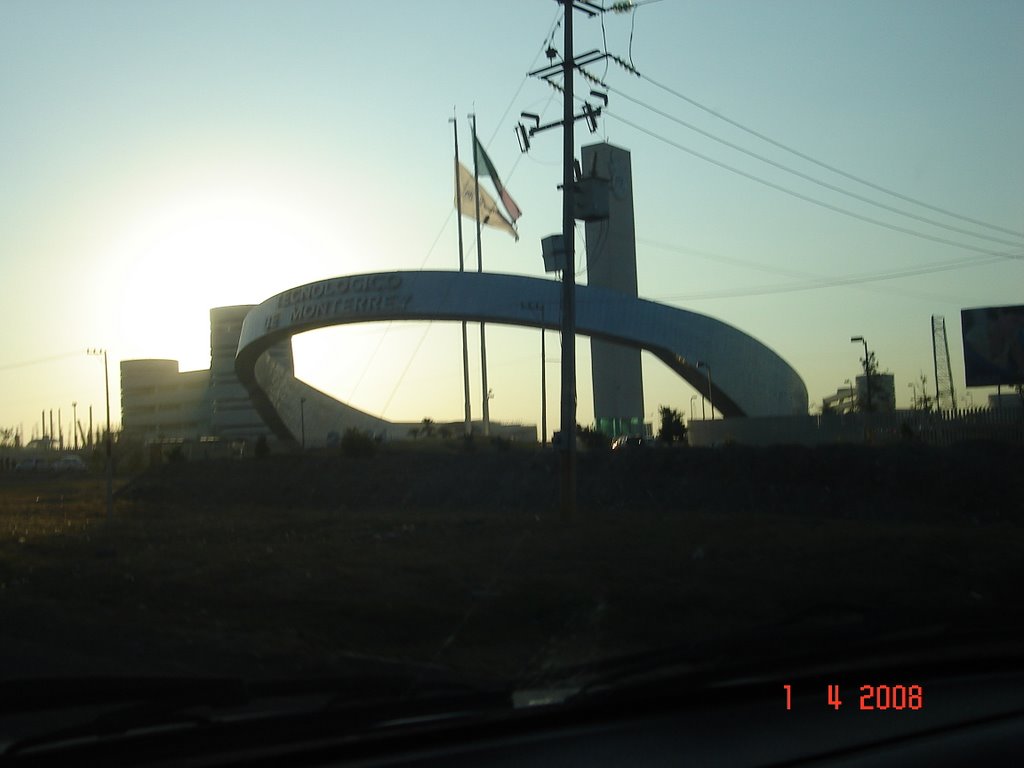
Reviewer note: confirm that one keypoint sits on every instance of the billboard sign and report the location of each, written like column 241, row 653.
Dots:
column 993, row 345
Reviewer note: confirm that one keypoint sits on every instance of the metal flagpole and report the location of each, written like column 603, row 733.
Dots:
column 462, row 268
column 480, row 268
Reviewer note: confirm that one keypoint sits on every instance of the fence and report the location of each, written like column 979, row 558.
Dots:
column 933, row 428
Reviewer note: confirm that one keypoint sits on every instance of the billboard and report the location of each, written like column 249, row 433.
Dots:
column 993, row 345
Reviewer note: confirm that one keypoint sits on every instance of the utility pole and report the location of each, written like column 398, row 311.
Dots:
column 568, row 326
column 568, row 494
column 110, row 447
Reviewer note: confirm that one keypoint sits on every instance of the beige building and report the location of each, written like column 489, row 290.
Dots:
column 161, row 403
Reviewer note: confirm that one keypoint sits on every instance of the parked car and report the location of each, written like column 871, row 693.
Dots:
column 69, row 463
column 629, row 442
column 32, row 465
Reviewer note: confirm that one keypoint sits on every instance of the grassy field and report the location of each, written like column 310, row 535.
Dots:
column 311, row 565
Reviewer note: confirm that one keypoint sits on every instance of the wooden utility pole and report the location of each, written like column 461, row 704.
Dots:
column 568, row 492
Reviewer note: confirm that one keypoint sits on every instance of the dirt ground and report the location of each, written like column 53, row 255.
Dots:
column 317, row 564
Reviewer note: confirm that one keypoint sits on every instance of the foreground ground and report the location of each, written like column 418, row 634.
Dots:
column 310, row 565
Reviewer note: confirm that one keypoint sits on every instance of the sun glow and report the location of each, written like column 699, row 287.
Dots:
column 214, row 250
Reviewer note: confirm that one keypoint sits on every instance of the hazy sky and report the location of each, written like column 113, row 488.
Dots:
column 161, row 158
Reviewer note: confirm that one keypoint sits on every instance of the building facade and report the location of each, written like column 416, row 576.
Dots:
column 160, row 403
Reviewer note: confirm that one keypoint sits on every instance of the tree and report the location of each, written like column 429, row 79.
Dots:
column 427, row 428
column 262, row 449
column 924, row 402
column 672, row 429
column 592, row 439
column 867, row 399
column 357, row 444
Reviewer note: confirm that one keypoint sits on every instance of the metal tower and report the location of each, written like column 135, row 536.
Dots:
column 945, row 397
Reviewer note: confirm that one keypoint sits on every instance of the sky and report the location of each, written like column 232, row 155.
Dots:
column 158, row 159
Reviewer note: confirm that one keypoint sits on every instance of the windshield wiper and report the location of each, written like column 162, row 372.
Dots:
column 682, row 670
column 94, row 711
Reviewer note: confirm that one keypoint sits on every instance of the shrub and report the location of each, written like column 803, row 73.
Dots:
column 593, row 439
column 356, row 443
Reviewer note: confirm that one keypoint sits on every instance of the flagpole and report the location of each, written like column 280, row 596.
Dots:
column 480, row 268
column 462, row 268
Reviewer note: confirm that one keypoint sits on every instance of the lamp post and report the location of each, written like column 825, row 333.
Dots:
column 867, row 371
column 74, row 422
column 692, row 398
column 110, row 449
column 711, row 397
column 302, row 420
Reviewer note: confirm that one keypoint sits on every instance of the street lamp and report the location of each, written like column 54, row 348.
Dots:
column 74, row 422
column 692, row 398
column 302, row 420
column 711, row 397
column 110, row 449
column 867, row 370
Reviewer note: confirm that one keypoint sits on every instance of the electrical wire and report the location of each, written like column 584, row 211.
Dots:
column 822, row 164
column 554, row 26
column 808, row 198
column 41, row 360
column 809, row 178
column 809, row 281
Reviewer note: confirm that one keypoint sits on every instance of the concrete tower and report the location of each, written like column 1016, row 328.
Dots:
column 611, row 263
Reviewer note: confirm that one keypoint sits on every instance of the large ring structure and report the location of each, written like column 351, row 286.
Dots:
column 748, row 378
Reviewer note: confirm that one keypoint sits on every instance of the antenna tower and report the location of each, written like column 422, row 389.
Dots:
column 945, row 397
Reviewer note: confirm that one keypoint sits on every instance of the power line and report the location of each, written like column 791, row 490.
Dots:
column 810, row 281
column 808, row 198
column 39, row 361
column 810, row 178
column 554, row 26
column 826, row 166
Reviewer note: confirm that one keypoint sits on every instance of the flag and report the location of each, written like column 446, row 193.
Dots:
column 486, row 168
column 490, row 214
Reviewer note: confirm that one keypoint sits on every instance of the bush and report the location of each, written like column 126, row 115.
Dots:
column 262, row 450
column 356, row 443
column 593, row 439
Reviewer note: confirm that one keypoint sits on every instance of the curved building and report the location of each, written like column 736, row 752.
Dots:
column 740, row 375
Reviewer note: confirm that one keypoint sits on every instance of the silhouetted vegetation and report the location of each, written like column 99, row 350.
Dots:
column 672, row 429
column 357, row 444
column 262, row 449
column 593, row 440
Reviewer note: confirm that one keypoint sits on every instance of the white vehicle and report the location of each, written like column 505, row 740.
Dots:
column 69, row 463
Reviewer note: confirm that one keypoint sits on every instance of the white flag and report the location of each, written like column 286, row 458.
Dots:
column 490, row 214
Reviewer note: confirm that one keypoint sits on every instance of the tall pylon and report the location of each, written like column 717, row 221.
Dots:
column 945, row 396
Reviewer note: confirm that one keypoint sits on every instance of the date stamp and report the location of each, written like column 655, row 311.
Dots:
column 881, row 698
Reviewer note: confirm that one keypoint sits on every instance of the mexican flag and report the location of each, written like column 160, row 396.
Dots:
column 490, row 213
column 486, row 168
